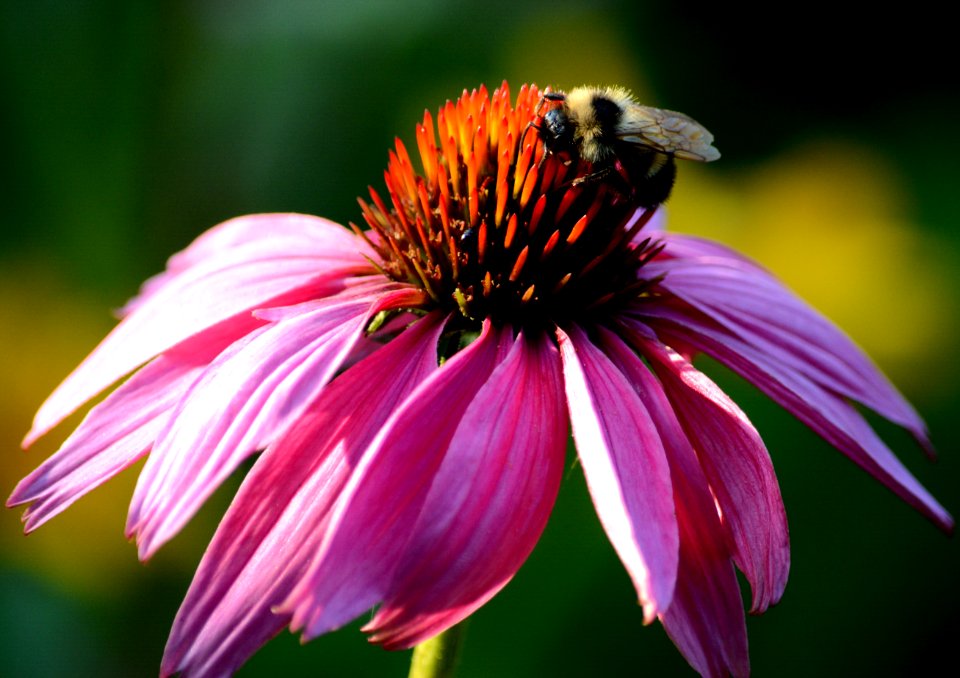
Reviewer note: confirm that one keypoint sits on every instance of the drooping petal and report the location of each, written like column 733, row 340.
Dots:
column 626, row 469
column 247, row 397
column 279, row 516
column 755, row 306
column 489, row 501
column 209, row 291
column 114, row 434
column 331, row 243
column 830, row 416
column 737, row 466
column 705, row 619
column 376, row 513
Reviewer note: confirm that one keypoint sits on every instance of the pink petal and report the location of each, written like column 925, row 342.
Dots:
column 124, row 427
column 113, row 435
column 329, row 241
column 655, row 226
column 489, row 501
column 280, row 513
column 828, row 415
column 246, row 398
column 680, row 246
column 626, row 469
column 755, row 306
column 209, row 292
column 737, row 468
column 375, row 515
column 705, row 619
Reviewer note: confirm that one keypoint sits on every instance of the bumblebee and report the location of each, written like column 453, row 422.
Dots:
column 619, row 137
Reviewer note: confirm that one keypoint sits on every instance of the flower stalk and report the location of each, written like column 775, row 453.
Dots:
column 439, row 656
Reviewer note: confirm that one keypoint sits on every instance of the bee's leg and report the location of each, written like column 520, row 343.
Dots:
column 523, row 136
column 622, row 171
column 615, row 176
column 546, row 96
column 593, row 177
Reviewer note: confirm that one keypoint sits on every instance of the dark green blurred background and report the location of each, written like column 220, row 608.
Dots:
column 128, row 128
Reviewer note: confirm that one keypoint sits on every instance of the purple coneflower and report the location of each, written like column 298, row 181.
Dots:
column 408, row 388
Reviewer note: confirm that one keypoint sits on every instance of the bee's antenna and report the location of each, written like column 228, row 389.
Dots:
column 543, row 158
column 534, row 125
column 523, row 138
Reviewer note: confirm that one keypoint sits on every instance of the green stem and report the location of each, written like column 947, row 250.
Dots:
column 438, row 657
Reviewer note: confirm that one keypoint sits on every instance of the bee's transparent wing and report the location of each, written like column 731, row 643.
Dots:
column 667, row 131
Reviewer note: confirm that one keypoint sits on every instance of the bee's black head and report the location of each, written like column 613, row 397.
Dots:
column 556, row 130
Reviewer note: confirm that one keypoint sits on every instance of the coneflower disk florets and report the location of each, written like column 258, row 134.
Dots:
column 492, row 228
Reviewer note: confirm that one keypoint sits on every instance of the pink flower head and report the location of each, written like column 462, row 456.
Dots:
column 408, row 389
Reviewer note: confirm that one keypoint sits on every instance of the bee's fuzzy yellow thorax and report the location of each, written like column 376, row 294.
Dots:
column 589, row 129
